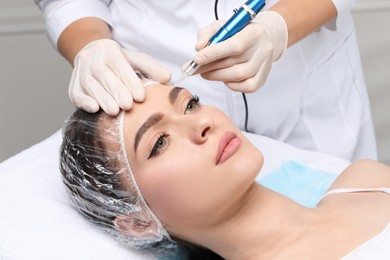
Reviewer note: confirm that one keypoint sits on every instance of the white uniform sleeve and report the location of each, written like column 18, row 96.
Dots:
column 344, row 5
column 58, row 14
column 341, row 7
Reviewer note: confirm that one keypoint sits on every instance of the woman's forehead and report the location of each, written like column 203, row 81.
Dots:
column 157, row 94
column 157, row 88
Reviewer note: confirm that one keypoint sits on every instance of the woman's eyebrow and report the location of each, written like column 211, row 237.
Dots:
column 173, row 94
column 155, row 118
column 151, row 121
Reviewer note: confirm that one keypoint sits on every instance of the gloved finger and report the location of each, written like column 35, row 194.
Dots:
column 206, row 33
column 240, row 68
column 113, row 86
column 96, row 91
column 78, row 97
column 253, row 83
column 220, row 64
column 223, row 63
column 236, row 73
column 243, row 41
column 246, row 86
column 73, row 84
column 146, row 64
column 124, row 71
column 218, row 51
column 85, row 102
column 134, row 85
column 262, row 75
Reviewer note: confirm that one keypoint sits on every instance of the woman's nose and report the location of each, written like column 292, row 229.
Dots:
column 201, row 126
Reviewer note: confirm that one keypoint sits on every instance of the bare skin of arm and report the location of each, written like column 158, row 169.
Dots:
column 80, row 33
column 304, row 16
column 364, row 174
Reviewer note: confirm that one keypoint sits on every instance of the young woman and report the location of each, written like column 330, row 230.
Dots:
column 171, row 169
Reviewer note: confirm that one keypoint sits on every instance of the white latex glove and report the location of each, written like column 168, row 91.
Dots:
column 104, row 76
column 244, row 61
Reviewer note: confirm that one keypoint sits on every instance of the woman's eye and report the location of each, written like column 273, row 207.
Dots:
column 193, row 104
column 159, row 146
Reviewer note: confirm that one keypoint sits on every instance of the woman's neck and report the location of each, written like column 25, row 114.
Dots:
column 261, row 221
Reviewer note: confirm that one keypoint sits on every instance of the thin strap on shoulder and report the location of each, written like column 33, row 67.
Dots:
column 351, row 190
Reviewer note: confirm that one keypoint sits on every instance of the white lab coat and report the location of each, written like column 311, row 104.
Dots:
column 315, row 97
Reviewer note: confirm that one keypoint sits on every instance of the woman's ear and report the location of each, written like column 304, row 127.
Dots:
column 137, row 225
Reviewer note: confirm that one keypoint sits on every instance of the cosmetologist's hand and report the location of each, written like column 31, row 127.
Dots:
column 104, row 76
column 244, row 61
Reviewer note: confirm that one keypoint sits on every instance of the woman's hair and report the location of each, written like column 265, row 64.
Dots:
column 93, row 169
column 96, row 174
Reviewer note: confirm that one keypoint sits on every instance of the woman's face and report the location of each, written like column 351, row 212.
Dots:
column 189, row 160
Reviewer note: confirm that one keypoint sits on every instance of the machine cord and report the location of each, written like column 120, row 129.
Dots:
column 243, row 94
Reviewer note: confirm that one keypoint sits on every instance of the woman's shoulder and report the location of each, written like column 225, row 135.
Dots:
column 363, row 174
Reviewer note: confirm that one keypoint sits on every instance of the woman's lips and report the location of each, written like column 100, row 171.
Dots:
column 228, row 145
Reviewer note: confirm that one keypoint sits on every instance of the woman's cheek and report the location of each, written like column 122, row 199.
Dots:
column 163, row 188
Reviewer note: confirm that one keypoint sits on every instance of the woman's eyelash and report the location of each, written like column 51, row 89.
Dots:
column 160, row 145
column 193, row 104
column 163, row 140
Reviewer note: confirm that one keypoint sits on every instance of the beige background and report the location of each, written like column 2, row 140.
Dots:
column 34, row 78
